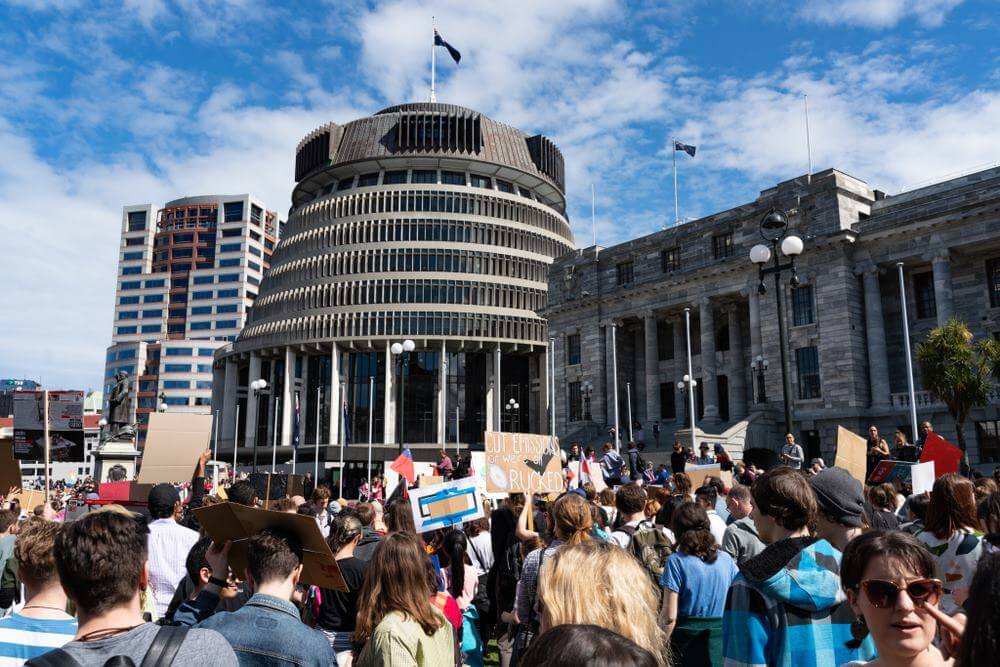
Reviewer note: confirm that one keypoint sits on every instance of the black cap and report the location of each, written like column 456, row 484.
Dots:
column 163, row 496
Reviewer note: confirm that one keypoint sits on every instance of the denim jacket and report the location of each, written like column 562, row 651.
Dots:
column 265, row 632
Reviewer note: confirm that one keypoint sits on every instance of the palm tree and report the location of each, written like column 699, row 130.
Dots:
column 958, row 371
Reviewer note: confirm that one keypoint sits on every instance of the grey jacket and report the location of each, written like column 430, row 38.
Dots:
column 741, row 540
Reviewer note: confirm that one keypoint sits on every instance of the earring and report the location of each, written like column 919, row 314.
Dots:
column 859, row 629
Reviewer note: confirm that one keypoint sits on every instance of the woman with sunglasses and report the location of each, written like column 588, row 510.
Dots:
column 890, row 584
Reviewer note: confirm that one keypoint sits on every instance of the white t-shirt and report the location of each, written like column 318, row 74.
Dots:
column 717, row 525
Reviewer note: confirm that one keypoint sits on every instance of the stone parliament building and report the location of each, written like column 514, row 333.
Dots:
column 845, row 331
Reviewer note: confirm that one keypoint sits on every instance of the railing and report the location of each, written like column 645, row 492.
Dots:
column 925, row 398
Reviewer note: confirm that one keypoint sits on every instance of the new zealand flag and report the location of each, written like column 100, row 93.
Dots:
column 438, row 41
column 690, row 150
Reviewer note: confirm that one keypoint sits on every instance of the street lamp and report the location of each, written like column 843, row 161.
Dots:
column 759, row 366
column 683, row 387
column 512, row 408
column 257, row 386
column 162, row 407
column 587, row 390
column 773, row 227
column 397, row 350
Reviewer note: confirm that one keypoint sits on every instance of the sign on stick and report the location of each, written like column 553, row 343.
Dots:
column 448, row 504
column 523, row 463
column 65, row 425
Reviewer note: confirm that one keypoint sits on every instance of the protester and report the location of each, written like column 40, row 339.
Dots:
column 878, row 450
column 169, row 543
column 695, row 581
column 903, row 450
column 607, row 504
column 988, row 513
column 681, row 484
column 396, row 623
column 102, row 563
column 951, row 532
column 915, row 510
column 597, row 583
column 636, row 464
column 630, row 501
column 199, row 571
column 42, row 623
column 741, row 540
column 320, row 500
column 840, row 506
column 445, row 467
column 706, row 497
column 399, row 518
column 481, row 554
column 662, row 475
column 243, row 493
column 980, row 642
column 720, row 497
column 880, row 509
column 786, row 606
column 677, row 458
column 984, row 486
column 704, row 457
column 612, row 465
column 461, row 579
column 339, row 609
column 8, row 524
column 791, row 453
column 369, row 537
column 926, row 429
column 722, row 458
column 591, row 645
column 889, row 581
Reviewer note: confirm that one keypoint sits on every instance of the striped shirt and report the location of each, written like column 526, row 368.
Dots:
column 23, row 638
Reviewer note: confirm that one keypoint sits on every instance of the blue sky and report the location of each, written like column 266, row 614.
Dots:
column 113, row 103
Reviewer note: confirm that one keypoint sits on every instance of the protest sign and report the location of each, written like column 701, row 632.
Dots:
column 922, row 477
column 523, row 463
column 697, row 474
column 29, row 500
column 174, row 441
column 65, row 425
column 10, row 468
column 891, row 471
column 448, row 504
column 429, row 480
column 852, row 452
column 229, row 522
column 946, row 456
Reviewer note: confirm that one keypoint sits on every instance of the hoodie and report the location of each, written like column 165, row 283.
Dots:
column 786, row 608
column 366, row 546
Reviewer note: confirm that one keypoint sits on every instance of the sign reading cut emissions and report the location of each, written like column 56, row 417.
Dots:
column 523, row 463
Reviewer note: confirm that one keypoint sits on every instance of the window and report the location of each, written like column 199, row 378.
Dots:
column 201, row 295
column 129, row 315
column 802, row 306
column 201, row 310
column 228, row 308
column 204, row 368
column 670, row 260
column 424, row 176
column 205, row 352
column 452, row 178
column 125, row 331
column 253, row 265
column 154, row 283
column 345, row 183
column 255, row 251
column 367, row 180
column 131, row 256
column 226, row 293
column 225, row 324
column 988, row 436
column 626, row 273
column 203, row 384
column 230, row 233
column 177, row 368
column 668, row 409
column 127, row 300
column 152, row 313
column 504, row 186
column 153, row 298
column 573, row 349
column 664, row 341
column 183, row 253
column 255, row 214
column 993, row 281
column 176, row 312
column 201, row 326
column 179, row 282
column 135, row 241
column 225, row 263
column 923, row 287
column 183, row 238
column 131, row 270
column 394, row 177
column 229, row 278
column 136, row 221
column 575, row 402
column 230, row 247
column 722, row 245
column 176, row 400
column 477, row 181
column 131, row 284
column 233, row 211
column 204, row 280
column 175, row 328
column 807, row 362
column 178, row 352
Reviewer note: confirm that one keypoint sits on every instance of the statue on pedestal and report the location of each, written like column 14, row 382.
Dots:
column 121, row 421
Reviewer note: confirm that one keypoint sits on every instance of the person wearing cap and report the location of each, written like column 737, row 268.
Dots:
column 169, row 544
column 705, row 459
column 840, row 500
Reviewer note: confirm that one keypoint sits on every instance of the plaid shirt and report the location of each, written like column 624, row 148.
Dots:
column 527, row 585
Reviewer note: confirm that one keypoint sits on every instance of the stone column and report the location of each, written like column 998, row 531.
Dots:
column 652, row 372
column 332, row 396
column 250, row 423
column 287, row 404
column 680, row 368
column 547, row 401
column 610, row 379
column 709, row 371
column 941, row 261
column 753, row 299
column 442, row 402
column 737, row 367
column 389, row 421
column 492, row 390
column 230, row 399
column 878, row 364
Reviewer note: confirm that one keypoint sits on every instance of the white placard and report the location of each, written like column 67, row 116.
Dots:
column 922, row 477
column 446, row 505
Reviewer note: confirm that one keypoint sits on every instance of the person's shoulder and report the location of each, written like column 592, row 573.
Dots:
column 199, row 643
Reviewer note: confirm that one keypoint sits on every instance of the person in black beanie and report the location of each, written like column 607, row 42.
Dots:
column 841, row 501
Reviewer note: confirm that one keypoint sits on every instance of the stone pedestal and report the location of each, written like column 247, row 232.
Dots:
column 115, row 452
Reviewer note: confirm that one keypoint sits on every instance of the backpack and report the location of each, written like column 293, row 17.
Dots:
column 508, row 569
column 651, row 547
column 161, row 653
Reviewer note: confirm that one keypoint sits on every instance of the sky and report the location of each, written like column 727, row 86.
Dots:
column 106, row 104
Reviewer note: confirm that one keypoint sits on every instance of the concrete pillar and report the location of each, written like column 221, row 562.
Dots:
column 610, row 379
column 332, row 392
column 390, row 398
column 737, row 367
column 878, row 365
column 287, row 402
column 546, row 400
column 492, row 391
column 250, row 425
column 753, row 299
column 229, row 400
column 941, row 262
column 710, row 388
column 442, row 402
column 652, row 372
column 680, row 367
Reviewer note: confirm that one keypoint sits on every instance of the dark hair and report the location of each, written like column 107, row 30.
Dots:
column 606, row 497
column 196, row 559
column 682, row 483
column 989, row 508
column 707, row 492
column 693, row 532
column 35, row 550
column 455, row 547
column 917, row 506
column 273, row 554
column 307, row 509
column 591, row 645
column 630, row 499
column 785, row 495
column 242, row 493
column 399, row 517
column 7, row 519
column 717, row 484
column 883, row 497
column 343, row 529
column 100, row 559
column 366, row 513
column 740, row 492
column 899, row 546
column 667, row 509
column 952, row 506
column 283, row 505
column 474, row 528
column 981, row 639
column 320, row 494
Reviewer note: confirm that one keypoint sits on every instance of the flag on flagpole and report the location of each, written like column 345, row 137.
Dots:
column 690, row 150
column 404, row 466
column 452, row 51
column 296, row 424
column 587, row 476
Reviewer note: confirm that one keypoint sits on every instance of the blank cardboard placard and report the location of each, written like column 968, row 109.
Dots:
column 429, row 480
column 229, row 522
column 699, row 473
column 523, row 463
column 852, row 453
column 173, row 445
column 922, row 477
column 29, row 500
column 10, row 468
column 448, row 504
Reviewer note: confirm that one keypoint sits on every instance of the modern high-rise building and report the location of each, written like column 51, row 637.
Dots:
column 425, row 222
column 187, row 275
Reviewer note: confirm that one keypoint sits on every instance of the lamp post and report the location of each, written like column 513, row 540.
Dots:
column 512, row 407
column 685, row 385
column 758, row 367
column 773, row 227
column 397, row 350
column 257, row 386
column 162, row 407
column 587, row 389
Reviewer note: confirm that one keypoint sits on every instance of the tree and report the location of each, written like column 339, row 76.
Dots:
column 958, row 371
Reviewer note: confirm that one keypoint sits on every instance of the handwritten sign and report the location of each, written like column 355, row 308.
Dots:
column 444, row 505
column 852, row 451
column 523, row 463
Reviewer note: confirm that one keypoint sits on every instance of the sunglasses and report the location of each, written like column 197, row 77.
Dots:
column 883, row 594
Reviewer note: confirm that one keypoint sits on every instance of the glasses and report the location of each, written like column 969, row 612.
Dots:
column 883, row 594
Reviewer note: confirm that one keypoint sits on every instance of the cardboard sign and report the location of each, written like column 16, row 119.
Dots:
column 10, row 468
column 699, row 473
column 173, row 445
column 429, row 480
column 523, row 463
column 29, row 500
column 890, row 471
column 946, row 457
column 444, row 505
column 229, row 522
column 852, row 452
column 66, row 440
column 922, row 477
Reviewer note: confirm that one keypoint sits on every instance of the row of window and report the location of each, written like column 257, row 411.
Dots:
column 207, row 324
column 363, row 325
column 221, row 308
column 146, row 328
column 135, row 298
column 187, row 368
column 450, row 231
column 425, row 176
column 140, row 314
column 138, row 284
column 399, row 201
column 670, row 258
column 384, row 292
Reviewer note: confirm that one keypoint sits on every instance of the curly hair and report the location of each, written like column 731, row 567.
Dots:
column 693, row 531
column 35, row 551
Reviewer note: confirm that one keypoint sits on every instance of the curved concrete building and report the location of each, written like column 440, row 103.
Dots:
column 425, row 222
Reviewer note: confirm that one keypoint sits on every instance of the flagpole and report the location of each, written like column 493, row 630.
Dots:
column 371, row 403
column 457, row 452
column 343, row 439
column 614, row 384
column 298, row 433
column 906, row 347
column 433, row 51
column 673, row 155
column 593, row 213
column 274, row 441
column 805, row 99
column 236, row 437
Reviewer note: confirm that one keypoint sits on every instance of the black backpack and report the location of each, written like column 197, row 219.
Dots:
column 161, row 653
column 508, row 569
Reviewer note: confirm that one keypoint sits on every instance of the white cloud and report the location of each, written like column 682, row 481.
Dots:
column 877, row 13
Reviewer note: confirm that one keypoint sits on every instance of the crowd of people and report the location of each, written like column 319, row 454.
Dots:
column 793, row 566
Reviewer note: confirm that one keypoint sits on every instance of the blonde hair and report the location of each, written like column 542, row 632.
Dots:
column 571, row 519
column 596, row 583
